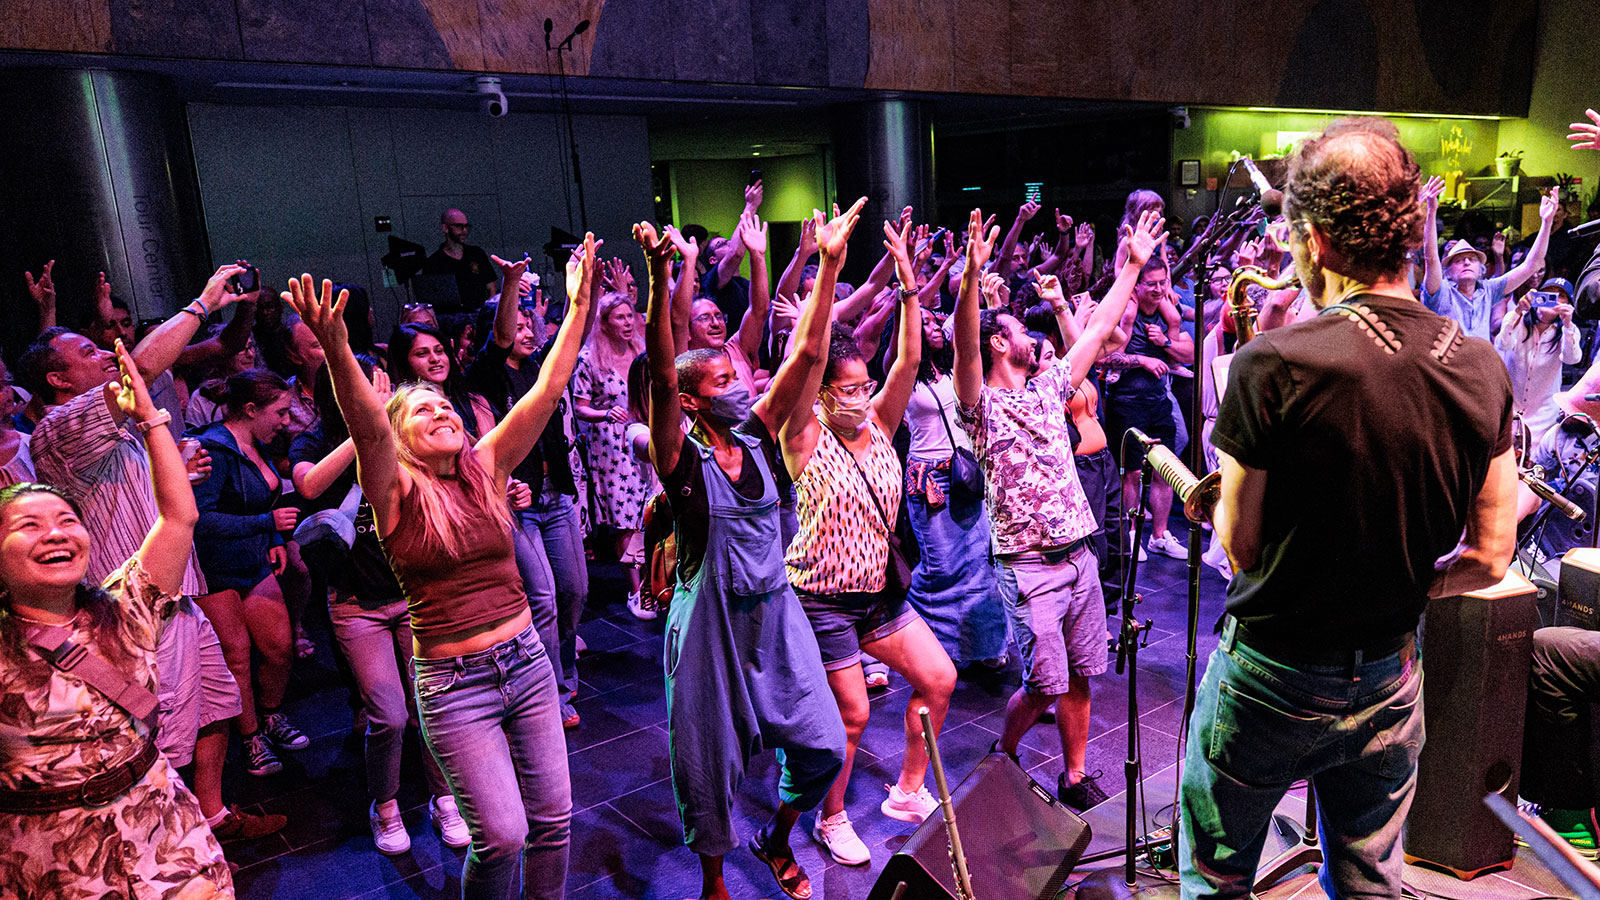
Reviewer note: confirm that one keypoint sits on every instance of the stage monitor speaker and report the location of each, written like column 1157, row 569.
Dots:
column 1020, row 842
column 1580, row 589
column 1476, row 650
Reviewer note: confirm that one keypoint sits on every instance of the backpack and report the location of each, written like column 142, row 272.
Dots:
column 661, row 552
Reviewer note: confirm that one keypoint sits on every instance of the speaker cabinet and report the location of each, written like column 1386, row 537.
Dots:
column 1476, row 654
column 1580, row 589
column 1020, row 842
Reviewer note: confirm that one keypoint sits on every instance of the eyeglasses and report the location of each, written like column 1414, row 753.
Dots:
column 708, row 318
column 866, row 388
column 408, row 307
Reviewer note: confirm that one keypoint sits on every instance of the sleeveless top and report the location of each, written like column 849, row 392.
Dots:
column 444, row 593
column 843, row 544
column 1137, row 383
column 930, row 439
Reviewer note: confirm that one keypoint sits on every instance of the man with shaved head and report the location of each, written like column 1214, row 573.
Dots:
column 1366, row 467
column 476, row 277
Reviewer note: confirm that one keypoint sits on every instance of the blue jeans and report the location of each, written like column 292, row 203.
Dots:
column 1258, row 726
column 492, row 720
column 556, row 534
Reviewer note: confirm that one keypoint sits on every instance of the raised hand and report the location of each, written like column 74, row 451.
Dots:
column 981, row 236
column 833, row 236
column 1497, row 244
column 1049, row 290
column 753, row 233
column 581, row 269
column 785, row 312
column 1143, row 239
column 323, row 313
column 658, row 248
column 752, row 197
column 894, row 241
column 1028, row 210
column 133, row 398
column 687, row 247
column 1586, row 135
column 215, row 296
column 808, row 239
column 510, row 272
column 1428, row 195
column 42, row 291
column 381, row 385
column 994, row 290
column 1063, row 223
column 1549, row 204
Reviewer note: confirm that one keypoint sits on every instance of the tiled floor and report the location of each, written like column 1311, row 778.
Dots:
column 626, row 838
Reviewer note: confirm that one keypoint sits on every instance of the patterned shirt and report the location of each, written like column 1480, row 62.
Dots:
column 843, row 543
column 1020, row 436
column 79, row 447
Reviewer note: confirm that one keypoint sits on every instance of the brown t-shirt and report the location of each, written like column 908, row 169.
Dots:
column 446, row 593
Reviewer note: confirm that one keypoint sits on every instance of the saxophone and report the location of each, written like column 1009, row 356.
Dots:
column 1239, row 305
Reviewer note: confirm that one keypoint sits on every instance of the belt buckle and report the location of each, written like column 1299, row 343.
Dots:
column 97, row 791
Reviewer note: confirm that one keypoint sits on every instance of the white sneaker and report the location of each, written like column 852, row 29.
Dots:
column 1143, row 556
column 643, row 608
column 447, row 820
column 1217, row 558
column 388, row 831
column 839, row 836
column 913, row 808
column 1167, row 545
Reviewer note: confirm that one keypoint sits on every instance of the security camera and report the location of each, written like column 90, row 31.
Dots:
column 1180, row 116
column 492, row 100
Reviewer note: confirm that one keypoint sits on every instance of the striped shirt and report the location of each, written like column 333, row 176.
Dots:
column 843, row 543
column 79, row 447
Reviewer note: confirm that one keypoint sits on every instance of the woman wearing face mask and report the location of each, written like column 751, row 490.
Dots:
column 600, row 400
column 708, row 329
column 240, row 545
column 849, row 482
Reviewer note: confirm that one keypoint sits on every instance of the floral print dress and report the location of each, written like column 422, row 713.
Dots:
column 619, row 482
column 55, row 730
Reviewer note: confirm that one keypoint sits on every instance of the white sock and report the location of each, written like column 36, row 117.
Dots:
column 214, row 821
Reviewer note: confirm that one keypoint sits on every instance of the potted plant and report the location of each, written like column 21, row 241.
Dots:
column 1508, row 163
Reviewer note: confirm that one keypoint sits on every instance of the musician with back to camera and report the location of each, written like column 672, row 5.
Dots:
column 1366, row 466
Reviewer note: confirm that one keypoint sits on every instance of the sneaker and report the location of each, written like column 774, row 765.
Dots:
column 914, row 808
column 642, row 607
column 388, row 831
column 837, row 834
column 243, row 826
column 448, row 822
column 285, row 736
column 1084, row 795
column 1167, row 545
column 569, row 715
column 1576, row 827
column 258, row 756
column 1143, row 556
column 995, row 748
column 1217, row 558
column 580, row 646
column 877, row 675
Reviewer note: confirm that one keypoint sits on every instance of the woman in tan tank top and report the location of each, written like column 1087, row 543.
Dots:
column 486, row 692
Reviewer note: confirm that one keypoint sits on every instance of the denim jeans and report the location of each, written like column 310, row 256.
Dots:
column 556, row 534
column 1558, row 747
column 1259, row 725
column 492, row 720
column 371, row 637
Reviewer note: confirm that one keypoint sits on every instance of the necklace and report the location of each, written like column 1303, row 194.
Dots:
column 33, row 621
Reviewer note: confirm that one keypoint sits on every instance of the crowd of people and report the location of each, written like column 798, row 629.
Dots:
column 921, row 472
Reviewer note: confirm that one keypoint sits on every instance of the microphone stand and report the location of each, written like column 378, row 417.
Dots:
column 1104, row 884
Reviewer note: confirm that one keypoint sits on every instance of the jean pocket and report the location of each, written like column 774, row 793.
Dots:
column 433, row 683
column 1255, row 742
column 1398, row 729
column 755, row 566
column 671, row 655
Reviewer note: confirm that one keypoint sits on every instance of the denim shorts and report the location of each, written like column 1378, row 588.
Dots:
column 843, row 622
column 1060, row 619
column 196, row 687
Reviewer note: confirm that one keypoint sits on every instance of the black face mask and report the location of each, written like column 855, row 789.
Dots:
column 732, row 406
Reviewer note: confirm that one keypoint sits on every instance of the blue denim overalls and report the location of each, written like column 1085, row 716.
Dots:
column 743, row 669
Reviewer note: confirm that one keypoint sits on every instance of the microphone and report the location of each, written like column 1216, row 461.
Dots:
column 549, row 26
column 1271, row 197
column 1548, row 494
column 1582, row 231
column 1199, row 495
column 583, row 25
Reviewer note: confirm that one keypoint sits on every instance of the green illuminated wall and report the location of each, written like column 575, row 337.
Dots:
column 710, row 192
column 1441, row 145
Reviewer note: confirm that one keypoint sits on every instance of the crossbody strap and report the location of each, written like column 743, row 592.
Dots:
column 54, row 643
column 877, row 503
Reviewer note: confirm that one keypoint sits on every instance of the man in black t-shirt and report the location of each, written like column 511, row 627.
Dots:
column 1366, row 466
column 476, row 276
